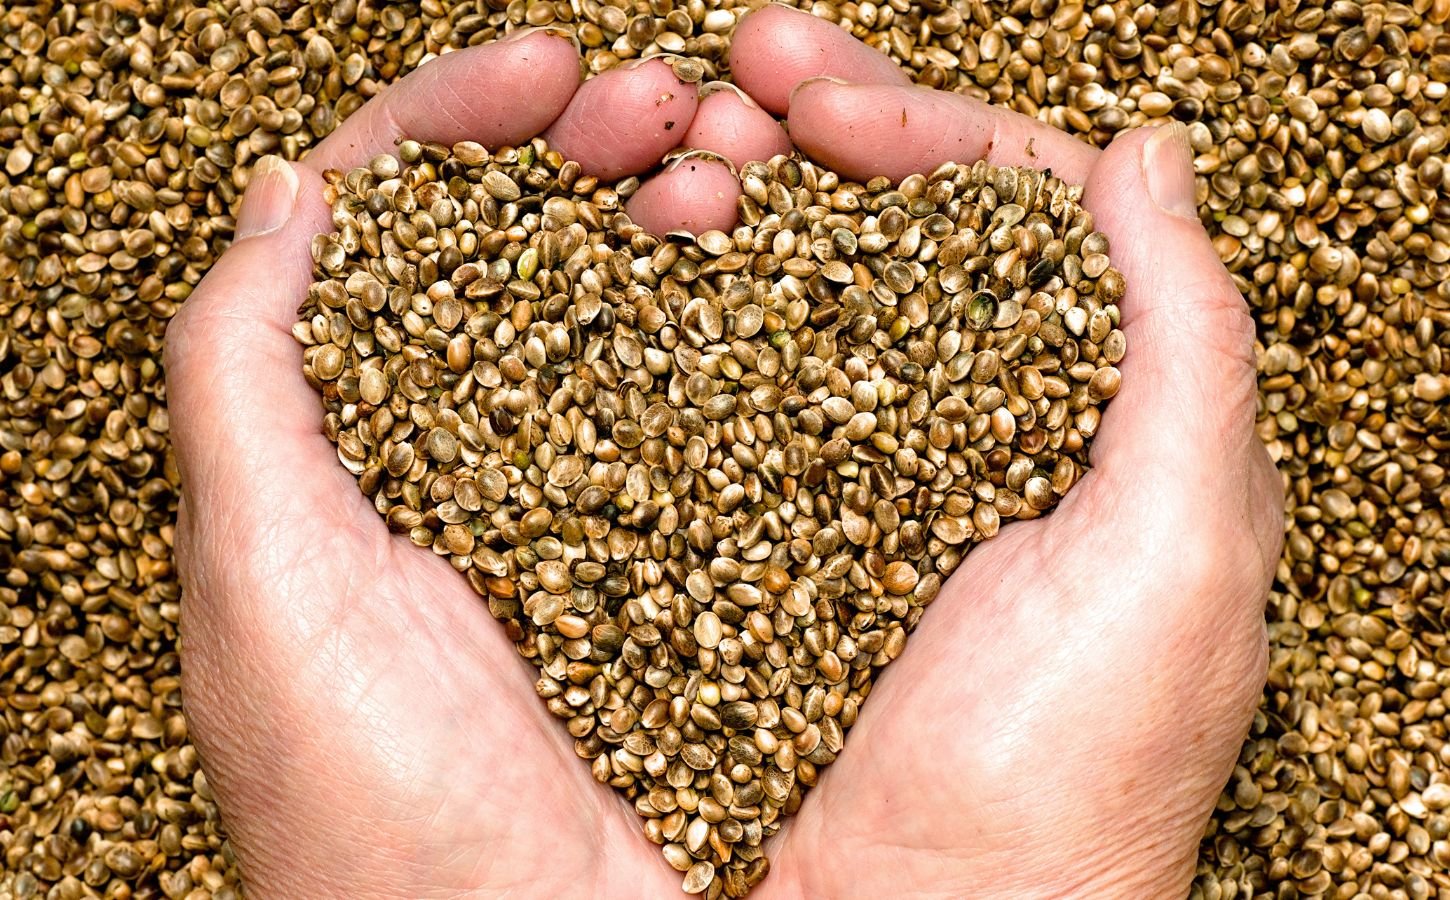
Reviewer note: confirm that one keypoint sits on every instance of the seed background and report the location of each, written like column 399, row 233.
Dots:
column 128, row 129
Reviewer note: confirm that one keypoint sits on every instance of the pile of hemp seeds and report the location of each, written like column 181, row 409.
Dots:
column 708, row 483
column 129, row 130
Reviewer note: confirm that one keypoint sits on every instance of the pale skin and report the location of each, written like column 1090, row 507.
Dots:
column 1063, row 718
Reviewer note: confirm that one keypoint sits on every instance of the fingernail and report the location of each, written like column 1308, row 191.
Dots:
column 716, row 87
column 669, row 59
column 816, row 81
column 519, row 34
column 677, row 158
column 271, row 194
column 1168, row 169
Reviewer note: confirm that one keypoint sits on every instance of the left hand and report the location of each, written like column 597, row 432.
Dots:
column 367, row 727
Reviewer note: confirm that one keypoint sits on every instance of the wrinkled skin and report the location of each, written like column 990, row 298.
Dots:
column 1061, row 721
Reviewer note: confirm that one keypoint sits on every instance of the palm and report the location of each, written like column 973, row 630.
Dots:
column 500, row 770
column 995, row 729
column 1059, row 655
column 430, row 712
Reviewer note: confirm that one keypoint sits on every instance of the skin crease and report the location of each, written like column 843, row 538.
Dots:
column 1060, row 725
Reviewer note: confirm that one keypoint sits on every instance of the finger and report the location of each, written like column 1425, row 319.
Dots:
column 730, row 123
column 695, row 193
column 470, row 94
column 1187, row 390
column 246, row 419
column 623, row 121
column 863, row 130
column 776, row 48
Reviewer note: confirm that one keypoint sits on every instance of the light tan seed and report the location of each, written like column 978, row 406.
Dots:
column 698, row 878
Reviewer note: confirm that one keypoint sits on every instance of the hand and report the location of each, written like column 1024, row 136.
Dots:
column 368, row 729
column 1075, row 698
column 366, row 725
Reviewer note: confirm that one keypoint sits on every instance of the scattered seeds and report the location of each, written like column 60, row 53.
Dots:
column 1320, row 136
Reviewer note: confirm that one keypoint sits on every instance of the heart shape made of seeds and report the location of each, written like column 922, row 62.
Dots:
column 708, row 484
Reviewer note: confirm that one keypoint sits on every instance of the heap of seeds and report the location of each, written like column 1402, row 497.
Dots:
column 709, row 483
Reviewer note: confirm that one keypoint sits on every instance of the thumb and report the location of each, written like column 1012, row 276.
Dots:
column 246, row 421
column 1187, row 396
column 270, row 199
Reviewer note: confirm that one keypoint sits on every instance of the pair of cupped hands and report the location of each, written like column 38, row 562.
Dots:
column 1062, row 720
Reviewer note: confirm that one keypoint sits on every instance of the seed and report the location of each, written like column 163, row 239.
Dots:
column 442, row 445
column 739, row 715
column 715, row 243
column 900, row 577
column 500, row 186
column 372, row 386
column 689, row 71
column 698, row 757
column 553, row 576
column 18, row 160
column 327, row 362
column 898, row 277
column 708, row 630
column 982, row 310
column 1104, row 383
column 698, row 878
